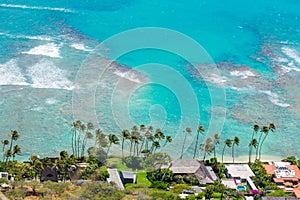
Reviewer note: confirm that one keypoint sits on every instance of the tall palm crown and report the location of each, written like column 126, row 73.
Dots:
column 200, row 129
column 227, row 143
column 236, row 142
column 216, row 141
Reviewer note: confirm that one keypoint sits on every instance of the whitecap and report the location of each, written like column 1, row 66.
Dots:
column 50, row 50
column 274, row 98
column 35, row 7
column 37, row 37
column 291, row 53
column 215, row 78
column 129, row 75
column 80, row 46
column 46, row 74
column 10, row 74
column 243, row 74
column 51, row 101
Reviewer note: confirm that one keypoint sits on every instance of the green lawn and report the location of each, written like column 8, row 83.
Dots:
column 141, row 178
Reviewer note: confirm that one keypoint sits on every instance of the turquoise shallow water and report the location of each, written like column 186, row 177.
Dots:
column 49, row 53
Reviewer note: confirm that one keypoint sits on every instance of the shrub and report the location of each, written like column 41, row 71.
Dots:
column 133, row 162
column 16, row 193
column 159, row 185
column 101, row 191
column 3, row 180
column 180, row 187
column 158, row 175
column 162, row 195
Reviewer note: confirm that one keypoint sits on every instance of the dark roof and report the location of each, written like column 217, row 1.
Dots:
column 185, row 166
column 128, row 175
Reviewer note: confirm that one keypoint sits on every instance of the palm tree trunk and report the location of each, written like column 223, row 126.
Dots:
column 257, row 149
column 250, row 152
column 204, row 156
column 223, row 152
column 183, row 146
column 83, row 146
column 232, row 153
column 108, row 150
column 261, row 146
column 123, row 148
column 73, row 142
column 141, row 148
column 130, row 148
column 196, row 146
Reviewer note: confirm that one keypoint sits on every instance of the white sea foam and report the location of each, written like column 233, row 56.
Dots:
column 35, row 7
column 37, row 37
column 129, row 75
column 243, row 74
column 274, row 98
column 79, row 46
column 215, row 78
column 10, row 74
column 51, row 101
column 46, row 75
column 50, row 50
column 292, row 53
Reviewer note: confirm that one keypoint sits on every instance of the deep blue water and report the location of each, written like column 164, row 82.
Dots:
column 247, row 71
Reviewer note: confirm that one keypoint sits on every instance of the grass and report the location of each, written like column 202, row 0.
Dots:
column 117, row 163
column 141, row 178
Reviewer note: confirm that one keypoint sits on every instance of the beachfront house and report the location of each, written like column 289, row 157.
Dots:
column 193, row 168
column 238, row 176
column 286, row 176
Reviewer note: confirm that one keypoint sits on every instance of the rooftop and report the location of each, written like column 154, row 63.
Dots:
column 185, row 166
column 242, row 171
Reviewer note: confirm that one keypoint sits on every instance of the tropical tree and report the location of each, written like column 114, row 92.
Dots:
column 207, row 147
column 14, row 135
column 155, row 145
column 16, row 151
column 113, row 139
column 125, row 135
column 236, row 142
column 88, row 136
column 4, row 142
column 199, row 130
column 252, row 144
column 100, row 140
column 265, row 130
column 168, row 139
column 216, row 141
column 187, row 131
column 227, row 143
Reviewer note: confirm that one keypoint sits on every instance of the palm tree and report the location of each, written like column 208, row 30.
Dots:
column 82, row 128
column 155, row 145
column 236, row 141
column 252, row 144
column 255, row 131
column 63, row 155
column 4, row 142
column 207, row 147
column 88, row 136
column 113, row 139
column 199, row 130
column 143, row 131
column 216, row 141
column 125, row 134
column 14, row 135
column 16, row 150
column 187, row 131
column 74, row 137
column 7, row 155
column 228, row 143
column 168, row 139
column 265, row 130
column 149, row 136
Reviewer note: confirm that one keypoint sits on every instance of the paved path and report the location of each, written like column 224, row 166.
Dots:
column 3, row 197
column 115, row 177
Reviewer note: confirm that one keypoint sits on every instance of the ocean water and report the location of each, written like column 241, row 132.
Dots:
column 172, row 64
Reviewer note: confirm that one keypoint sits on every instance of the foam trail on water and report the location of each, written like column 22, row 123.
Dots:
column 10, row 74
column 292, row 53
column 274, row 98
column 46, row 74
column 50, row 50
column 242, row 74
column 43, row 38
column 129, row 75
column 79, row 46
column 36, row 8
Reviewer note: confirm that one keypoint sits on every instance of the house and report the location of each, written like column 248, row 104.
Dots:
column 239, row 174
column 115, row 178
column 49, row 173
column 279, row 198
column 4, row 175
column 194, row 168
column 286, row 176
column 127, row 177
